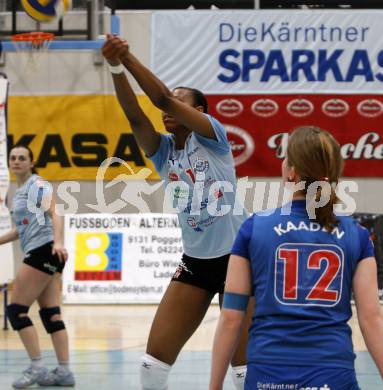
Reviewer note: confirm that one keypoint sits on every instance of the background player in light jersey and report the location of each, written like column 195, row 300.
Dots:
column 196, row 154
column 302, row 272
column 39, row 229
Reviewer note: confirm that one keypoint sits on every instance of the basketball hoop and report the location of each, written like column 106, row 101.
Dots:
column 34, row 44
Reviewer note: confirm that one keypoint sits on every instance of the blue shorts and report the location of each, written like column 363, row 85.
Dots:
column 264, row 377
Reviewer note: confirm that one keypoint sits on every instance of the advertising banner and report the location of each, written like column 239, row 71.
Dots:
column 71, row 136
column 120, row 258
column 267, row 72
column 6, row 250
column 266, row 52
column 258, row 127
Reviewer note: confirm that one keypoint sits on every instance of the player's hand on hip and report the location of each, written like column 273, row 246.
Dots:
column 61, row 252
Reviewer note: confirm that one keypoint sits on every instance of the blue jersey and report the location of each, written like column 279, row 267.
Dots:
column 203, row 187
column 32, row 223
column 302, row 278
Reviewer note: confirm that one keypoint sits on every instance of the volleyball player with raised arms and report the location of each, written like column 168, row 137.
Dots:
column 196, row 153
column 302, row 272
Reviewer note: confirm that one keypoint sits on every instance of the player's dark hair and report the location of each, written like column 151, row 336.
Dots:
column 315, row 155
column 30, row 154
column 198, row 98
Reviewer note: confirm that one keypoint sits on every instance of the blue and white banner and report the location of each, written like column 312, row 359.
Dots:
column 269, row 52
column 6, row 250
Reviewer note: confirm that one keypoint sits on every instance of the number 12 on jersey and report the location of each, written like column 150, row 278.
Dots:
column 308, row 274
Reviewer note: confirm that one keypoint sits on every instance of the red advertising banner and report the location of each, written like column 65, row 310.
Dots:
column 258, row 128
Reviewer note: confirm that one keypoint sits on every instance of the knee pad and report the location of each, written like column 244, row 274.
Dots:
column 46, row 314
column 18, row 322
column 239, row 375
column 154, row 373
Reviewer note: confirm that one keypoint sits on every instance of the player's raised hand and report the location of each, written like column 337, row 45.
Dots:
column 114, row 48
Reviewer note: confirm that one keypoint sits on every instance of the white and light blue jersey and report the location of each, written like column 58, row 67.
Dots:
column 32, row 223
column 202, row 184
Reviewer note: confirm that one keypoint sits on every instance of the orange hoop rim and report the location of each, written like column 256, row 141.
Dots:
column 35, row 37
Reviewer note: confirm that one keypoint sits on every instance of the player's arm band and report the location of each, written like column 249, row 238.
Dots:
column 116, row 69
column 235, row 301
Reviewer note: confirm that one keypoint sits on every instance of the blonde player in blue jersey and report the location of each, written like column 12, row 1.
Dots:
column 195, row 155
column 39, row 230
column 302, row 271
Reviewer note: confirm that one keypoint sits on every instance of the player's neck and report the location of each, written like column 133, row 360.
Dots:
column 21, row 179
column 298, row 196
column 180, row 138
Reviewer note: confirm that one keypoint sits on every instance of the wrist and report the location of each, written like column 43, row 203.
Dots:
column 116, row 69
column 127, row 58
column 113, row 62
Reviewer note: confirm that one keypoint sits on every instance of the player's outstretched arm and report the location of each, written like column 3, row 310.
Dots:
column 143, row 130
column 11, row 235
column 370, row 315
column 231, row 321
column 163, row 98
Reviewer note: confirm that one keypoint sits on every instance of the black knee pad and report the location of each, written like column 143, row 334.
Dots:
column 18, row 322
column 46, row 313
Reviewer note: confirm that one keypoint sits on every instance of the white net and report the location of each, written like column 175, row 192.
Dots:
column 34, row 44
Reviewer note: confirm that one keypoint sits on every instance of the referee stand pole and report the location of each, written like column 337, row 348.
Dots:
column 5, row 288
